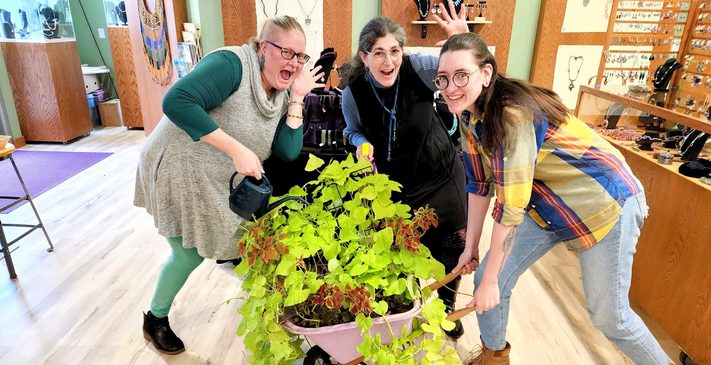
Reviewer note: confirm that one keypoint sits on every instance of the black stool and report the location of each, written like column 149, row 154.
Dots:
column 5, row 154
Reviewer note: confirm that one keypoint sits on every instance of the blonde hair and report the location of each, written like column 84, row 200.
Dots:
column 284, row 22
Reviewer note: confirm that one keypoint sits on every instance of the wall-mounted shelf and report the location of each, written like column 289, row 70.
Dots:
column 424, row 23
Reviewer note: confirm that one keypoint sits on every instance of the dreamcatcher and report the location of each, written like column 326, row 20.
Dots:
column 154, row 33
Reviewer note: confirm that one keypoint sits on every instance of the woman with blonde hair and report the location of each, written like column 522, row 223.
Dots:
column 230, row 113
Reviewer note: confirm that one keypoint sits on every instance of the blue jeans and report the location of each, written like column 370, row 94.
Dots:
column 606, row 272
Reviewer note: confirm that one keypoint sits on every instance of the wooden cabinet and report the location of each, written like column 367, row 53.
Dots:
column 48, row 89
column 671, row 276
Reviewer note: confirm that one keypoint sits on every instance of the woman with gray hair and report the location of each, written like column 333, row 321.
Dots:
column 388, row 108
column 229, row 113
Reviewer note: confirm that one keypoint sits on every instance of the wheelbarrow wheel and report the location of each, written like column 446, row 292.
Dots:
column 316, row 356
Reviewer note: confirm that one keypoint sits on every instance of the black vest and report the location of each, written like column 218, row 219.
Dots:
column 422, row 156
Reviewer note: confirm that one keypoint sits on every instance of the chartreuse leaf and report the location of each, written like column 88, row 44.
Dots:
column 287, row 264
column 313, row 163
column 380, row 307
column 296, row 296
column 383, row 240
column 382, row 210
column 242, row 269
column 398, row 286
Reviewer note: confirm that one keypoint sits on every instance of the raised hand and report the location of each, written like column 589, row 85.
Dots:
column 306, row 80
column 455, row 24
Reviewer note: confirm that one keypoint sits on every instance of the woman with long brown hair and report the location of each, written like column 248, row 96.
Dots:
column 555, row 181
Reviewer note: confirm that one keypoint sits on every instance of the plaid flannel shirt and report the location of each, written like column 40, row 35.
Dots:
column 567, row 178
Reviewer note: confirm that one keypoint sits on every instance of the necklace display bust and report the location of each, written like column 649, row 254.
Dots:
column 664, row 73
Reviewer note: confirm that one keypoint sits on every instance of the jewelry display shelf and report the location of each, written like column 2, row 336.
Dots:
column 641, row 36
column 671, row 278
column 693, row 91
column 424, row 23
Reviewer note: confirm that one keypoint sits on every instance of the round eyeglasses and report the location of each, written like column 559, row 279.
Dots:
column 288, row 54
column 459, row 79
column 380, row 55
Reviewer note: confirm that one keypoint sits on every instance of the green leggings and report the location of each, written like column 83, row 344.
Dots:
column 173, row 275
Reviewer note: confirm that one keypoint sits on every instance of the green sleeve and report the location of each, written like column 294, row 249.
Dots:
column 212, row 80
column 288, row 141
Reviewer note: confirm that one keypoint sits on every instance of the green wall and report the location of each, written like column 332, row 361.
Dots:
column 207, row 15
column 91, row 46
column 523, row 38
column 9, row 104
column 363, row 11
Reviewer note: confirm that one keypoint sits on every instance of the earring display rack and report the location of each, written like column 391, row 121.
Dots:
column 693, row 94
column 641, row 36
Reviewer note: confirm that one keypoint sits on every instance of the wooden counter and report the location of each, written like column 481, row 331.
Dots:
column 48, row 89
column 671, row 276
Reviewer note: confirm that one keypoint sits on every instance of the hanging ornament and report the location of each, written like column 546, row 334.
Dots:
column 154, row 32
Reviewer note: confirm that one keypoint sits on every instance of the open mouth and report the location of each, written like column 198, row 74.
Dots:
column 286, row 75
column 387, row 73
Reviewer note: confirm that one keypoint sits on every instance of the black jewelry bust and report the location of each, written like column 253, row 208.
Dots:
column 50, row 24
column 423, row 8
column 121, row 12
column 664, row 73
column 8, row 29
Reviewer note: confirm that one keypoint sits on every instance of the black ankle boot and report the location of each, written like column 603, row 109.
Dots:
column 449, row 296
column 157, row 330
column 458, row 330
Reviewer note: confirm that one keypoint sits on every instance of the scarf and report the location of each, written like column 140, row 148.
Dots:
column 268, row 107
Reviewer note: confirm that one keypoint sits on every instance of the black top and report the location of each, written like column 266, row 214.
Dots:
column 422, row 155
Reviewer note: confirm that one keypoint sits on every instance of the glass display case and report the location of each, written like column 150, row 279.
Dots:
column 115, row 13
column 668, row 152
column 33, row 19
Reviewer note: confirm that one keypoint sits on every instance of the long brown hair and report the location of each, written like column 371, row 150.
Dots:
column 375, row 29
column 503, row 92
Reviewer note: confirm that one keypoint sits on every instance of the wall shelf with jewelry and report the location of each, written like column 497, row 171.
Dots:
column 693, row 94
column 475, row 13
column 643, row 36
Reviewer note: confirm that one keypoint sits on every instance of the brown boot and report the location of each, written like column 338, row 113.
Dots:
column 488, row 357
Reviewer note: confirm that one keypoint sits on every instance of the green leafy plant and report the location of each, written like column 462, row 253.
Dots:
column 350, row 255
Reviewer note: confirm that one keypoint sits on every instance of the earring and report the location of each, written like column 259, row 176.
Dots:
column 261, row 62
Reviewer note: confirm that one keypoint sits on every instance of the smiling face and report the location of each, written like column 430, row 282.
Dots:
column 384, row 59
column 279, row 73
column 455, row 65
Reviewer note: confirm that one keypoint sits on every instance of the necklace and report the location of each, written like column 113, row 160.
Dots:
column 659, row 80
column 392, row 127
column 572, row 80
column 276, row 8
column 308, row 15
column 156, row 49
column 691, row 144
column 426, row 12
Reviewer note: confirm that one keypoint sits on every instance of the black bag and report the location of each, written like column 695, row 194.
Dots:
column 250, row 199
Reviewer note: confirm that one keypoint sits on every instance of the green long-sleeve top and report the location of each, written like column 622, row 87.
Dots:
column 209, row 84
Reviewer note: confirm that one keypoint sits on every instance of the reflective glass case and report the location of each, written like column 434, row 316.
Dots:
column 32, row 19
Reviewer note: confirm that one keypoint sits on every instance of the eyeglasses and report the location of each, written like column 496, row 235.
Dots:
column 380, row 55
column 459, row 79
column 288, row 54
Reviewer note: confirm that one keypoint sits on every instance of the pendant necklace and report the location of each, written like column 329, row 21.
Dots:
column 264, row 8
column 392, row 127
column 426, row 12
column 308, row 15
column 657, row 79
column 572, row 80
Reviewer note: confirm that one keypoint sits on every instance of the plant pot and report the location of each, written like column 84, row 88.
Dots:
column 340, row 340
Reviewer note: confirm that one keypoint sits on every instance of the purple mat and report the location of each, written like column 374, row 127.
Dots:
column 41, row 171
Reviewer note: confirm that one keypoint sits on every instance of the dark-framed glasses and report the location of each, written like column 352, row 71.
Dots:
column 380, row 55
column 288, row 54
column 460, row 79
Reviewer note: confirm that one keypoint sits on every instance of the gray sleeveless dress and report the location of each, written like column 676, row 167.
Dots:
column 184, row 185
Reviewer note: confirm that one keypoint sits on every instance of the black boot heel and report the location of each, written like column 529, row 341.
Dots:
column 157, row 331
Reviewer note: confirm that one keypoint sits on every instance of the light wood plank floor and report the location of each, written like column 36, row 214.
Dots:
column 82, row 303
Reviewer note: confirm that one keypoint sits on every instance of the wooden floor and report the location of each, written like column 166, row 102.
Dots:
column 82, row 303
